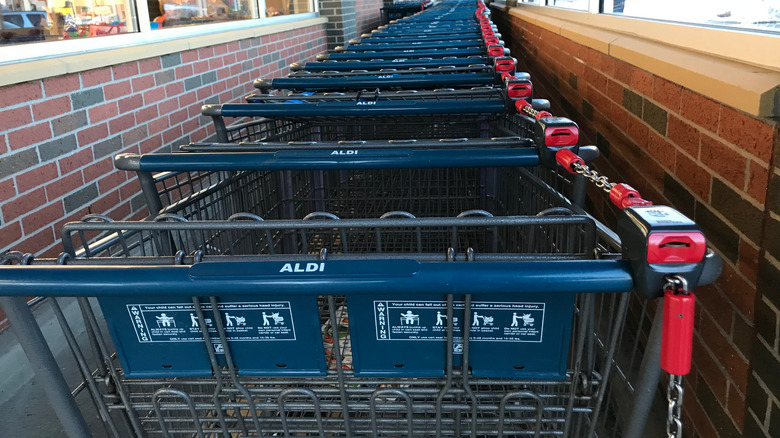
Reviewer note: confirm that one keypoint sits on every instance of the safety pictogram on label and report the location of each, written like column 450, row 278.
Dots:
column 490, row 321
column 260, row 321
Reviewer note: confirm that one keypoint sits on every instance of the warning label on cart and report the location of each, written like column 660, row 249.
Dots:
column 262, row 321
column 487, row 321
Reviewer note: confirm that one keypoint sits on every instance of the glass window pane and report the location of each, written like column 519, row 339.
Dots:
column 172, row 13
column 287, row 7
column 25, row 21
column 580, row 5
column 751, row 14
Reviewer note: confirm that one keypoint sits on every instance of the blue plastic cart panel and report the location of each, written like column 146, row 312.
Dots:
column 404, row 335
column 159, row 337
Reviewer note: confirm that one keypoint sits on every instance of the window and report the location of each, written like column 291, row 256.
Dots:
column 751, row 14
column 761, row 15
column 50, row 20
column 27, row 21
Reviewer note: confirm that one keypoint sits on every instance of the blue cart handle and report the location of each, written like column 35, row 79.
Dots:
column 359, row 108
column 341, row 158
column 319, row 278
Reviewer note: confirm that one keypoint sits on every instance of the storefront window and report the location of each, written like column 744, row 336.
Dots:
column 26, row 21
column 287, row 7
column 171, row 13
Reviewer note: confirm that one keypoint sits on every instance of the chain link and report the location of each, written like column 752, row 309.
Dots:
column 674, row 395
column 600, row 181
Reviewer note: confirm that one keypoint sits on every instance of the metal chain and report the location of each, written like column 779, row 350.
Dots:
column 674, row 392
column 600, row 181
column 674, row 395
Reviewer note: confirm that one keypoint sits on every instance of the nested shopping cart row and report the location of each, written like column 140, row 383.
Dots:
column 367, row 262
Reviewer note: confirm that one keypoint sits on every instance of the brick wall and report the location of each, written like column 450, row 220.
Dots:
column 58, row 135
column 342, row 19
column 368, row 14
column 715, row 164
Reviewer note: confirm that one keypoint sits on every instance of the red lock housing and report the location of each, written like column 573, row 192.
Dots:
column 504, row 63
column 518, row 88
column 677, row 333
column 567, row 159
column 686, row 247
column 495, row 51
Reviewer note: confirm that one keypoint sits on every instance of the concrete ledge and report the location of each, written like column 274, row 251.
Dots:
column 740, row 69
column 46, row 68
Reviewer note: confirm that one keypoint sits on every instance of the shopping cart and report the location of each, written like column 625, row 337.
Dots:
column 485, row 324
column 333, row 65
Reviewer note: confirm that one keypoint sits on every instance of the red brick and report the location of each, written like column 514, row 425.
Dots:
column 623, row 71
column 220, row 49
column 199, row 135
column 61, row 84
column 174, row 89
column 143, row 83
column 99, row 76
column 28, row 135
column 716, row 304
column 204, row 93
column 184, row 71
column 741, row 294
column 98, row 169
column 71, row 162
column 748, row 261
column 188, row 99
column 684, row 135
column 42, row 218
column 63, row 185
column 121, row 123
column 158, row 125
column 667, row 93
column 51, row 108
column 701, row 110
column 708, row 368
column 38, row 242
column 736, row 407
column 758, row 177
column 149, row 65
column 111, row 181
column 92, row 134
column 189, row 56
column 105, row 203
column 752, row 135
column 661, row 149
column 117, row 90
column 126, row 70
column 14, row 118
column 178, row 117
column 725, row 352
column 103, row 112
column 695, row 414
column 38, row 176
column 168, row 106
column 3, row 144
column 25, row 92
column 641, row 82
column 130, row 103
column 145, row 114
column 725, row 161
column 23, row 204
column 172, row 134
column 215, row 63
column 9, row 234
column 200, row 67
column 151, row 144
column 693, row 175
column 637, row 130
column 154, row 95
column 206, row 52
column 7, row 189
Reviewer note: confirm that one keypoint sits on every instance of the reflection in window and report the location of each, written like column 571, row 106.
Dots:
column 287, row 7
column 751, row 14
column 50, row 20
column 170, row 13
